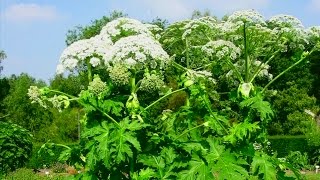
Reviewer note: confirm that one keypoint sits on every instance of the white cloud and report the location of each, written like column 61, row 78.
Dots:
column 29, row 13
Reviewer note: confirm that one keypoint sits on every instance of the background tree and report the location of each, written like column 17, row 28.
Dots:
column 18, row 107
column 86, row 32
column 2, row 57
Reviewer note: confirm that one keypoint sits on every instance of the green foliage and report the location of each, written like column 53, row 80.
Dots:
column 2, row 57
column 18, row 106
column 28, row 174
column 282, row 145
column 289, row 106
column 86, row 32
column 15, row 147
column 297, row 159
column 220, row 131
column 263, row 167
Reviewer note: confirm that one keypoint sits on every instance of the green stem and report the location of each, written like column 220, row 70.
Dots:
column 68, row 95
column 289, row 68
column 260, row 66
column 89, row 71
column 206, row 99
column 235, row 70
column 187, row 53
column 62, row 145
column 246, row 56
column 163, row 97
column 105, row 114
column 133, row 84
column 175, row 64
column 189, row 130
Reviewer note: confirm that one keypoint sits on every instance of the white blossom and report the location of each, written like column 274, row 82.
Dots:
column 221, row 49
column 94, row 61
column 140, row 48
column 124, row 26
column 250, row 17
column 283, row 20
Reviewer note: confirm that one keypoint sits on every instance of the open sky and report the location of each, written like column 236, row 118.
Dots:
column 32, row 32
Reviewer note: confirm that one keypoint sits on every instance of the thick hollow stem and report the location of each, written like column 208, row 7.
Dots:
column 246, row 55
column 163, row 97
column 187, row 53
column 89, row 71
column 288, row 69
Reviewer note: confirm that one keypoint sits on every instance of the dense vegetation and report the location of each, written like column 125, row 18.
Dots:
column 196, row 99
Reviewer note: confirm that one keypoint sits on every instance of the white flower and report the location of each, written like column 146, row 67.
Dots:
column 79, row 51
column 60, row 69
column 94, row 61
column 246, row 16
column 125, row 26
column 283, row 20
column 140, row 48
column 70, row 63
column 221, row 49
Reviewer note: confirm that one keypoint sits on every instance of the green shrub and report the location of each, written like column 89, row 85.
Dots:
column 297, row 159
column 15, row 146
column 47, row 158
column 28, row 174
column 284, row 144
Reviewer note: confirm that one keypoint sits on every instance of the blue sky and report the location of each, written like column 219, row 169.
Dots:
column 32, row 32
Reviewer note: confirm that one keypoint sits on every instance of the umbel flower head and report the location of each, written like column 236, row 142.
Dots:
column 125, row 41
column 75, row 54
column 221, row 49
column 151, row 83
column 119, row 74
column 136, row 51
column 96, row 86
column 250, row 17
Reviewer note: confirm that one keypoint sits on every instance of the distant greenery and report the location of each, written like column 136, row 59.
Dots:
column 15, row 147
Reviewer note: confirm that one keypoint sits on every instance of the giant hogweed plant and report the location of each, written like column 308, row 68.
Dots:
column 123, row 140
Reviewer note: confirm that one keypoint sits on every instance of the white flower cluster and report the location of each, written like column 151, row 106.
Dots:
column 249, row 17
column 123, row 40
column 314, row 34
column 151, row 83
column 119, row 74
column 80, row 50
column 123, row 27
column 200, row 24
column 96, row 86
column 221, row 49
column 136, row 50
column 264, row 69
column 35, row 94
column 206, row 75
column 283, row 20
column 59, row 101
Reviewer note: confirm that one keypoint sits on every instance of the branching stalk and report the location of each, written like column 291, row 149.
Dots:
column 161, row 98
column 288, row 69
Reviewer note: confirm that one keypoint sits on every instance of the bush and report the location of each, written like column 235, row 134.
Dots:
column 28, row 174
column 38, row 160
column 297, row 159
column 284, row 144
column 15, row 147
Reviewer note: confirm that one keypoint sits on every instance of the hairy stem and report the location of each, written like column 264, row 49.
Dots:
column 161, row 98
column 288, row 69
column 246, row 55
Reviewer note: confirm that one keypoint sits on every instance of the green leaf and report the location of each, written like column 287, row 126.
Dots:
column 198, row 170
column 262, row 166
column 241, row 131
column 258, row 104
column 112, row 107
